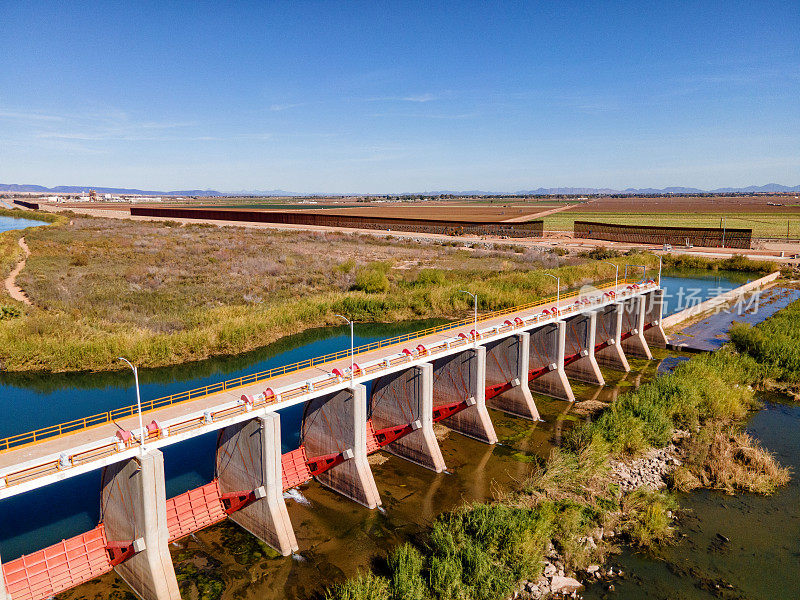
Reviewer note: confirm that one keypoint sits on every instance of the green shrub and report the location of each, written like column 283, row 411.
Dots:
column 405, row 565
column 444, row 576
column 346, row 266
column 775, row 343
column 737, row 262
column 364, row 586
column 647, row 517
column 372, row 279
column 430, row 277
column 600, row 253
column 9, row 312
column 710, row 386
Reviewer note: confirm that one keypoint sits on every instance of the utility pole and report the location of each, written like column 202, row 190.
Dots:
column 723, row 232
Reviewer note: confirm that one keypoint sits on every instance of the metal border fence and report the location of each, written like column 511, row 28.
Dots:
column 710, row 237
column 450, row 227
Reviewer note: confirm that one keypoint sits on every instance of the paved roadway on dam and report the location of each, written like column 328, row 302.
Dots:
column 67, row 442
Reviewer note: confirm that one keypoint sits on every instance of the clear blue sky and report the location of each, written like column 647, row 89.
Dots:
column 399, row 96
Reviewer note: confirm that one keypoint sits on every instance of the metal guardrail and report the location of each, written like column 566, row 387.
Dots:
column 70, row 427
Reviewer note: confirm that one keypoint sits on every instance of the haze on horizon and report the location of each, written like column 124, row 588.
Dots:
column 388, row 97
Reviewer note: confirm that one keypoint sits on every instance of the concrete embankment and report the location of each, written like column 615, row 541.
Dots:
column 721, row 300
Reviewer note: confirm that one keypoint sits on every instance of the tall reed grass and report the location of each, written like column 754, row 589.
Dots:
column 774, row 343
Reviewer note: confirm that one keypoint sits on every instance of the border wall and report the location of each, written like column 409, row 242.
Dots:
column 31, row 205
column 517, row 230
column 709, row 237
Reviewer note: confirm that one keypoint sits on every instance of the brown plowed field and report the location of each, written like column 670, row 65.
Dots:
column 440, row 212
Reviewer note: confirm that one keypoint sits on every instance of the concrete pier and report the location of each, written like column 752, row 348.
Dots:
column 406, row 398
column 546, row 357
column 3, row 595
column 336, row 424
column 633, row 322
column 249, row 461
column 507, row 363
column 133, row 511
column 580, row 336
column 653, row 316
column 609, row 333
column 462, row 377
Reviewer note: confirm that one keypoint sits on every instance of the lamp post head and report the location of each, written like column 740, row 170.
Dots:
column 125, row 360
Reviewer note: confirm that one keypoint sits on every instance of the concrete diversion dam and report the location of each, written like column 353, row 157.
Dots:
column 188, row 443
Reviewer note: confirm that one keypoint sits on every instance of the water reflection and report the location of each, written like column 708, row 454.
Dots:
column 14, row 223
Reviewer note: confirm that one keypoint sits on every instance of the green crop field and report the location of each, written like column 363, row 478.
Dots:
column 763, row 225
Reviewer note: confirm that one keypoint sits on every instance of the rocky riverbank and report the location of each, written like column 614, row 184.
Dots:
column 557, row 581
column 652, row 471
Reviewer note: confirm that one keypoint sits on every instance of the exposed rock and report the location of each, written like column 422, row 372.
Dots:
column 564, row 585
column 592, row 569
column 651, row 470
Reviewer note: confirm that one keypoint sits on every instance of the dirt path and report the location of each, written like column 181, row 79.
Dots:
column 11, row 281
column 542, row 214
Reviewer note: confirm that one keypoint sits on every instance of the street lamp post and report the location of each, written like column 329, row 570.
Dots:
column 659, row 270
column 138, row 403
column 475, row 327
column 616, row 273
column 558, row 292
column 351, row 345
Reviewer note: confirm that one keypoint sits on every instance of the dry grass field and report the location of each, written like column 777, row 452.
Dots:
column 161, row 293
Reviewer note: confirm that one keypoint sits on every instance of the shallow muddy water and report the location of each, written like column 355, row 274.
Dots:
column 731, row 547
column 338, row 537
column 711, row 332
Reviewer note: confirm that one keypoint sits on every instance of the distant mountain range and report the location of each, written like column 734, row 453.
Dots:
column 769, row 188
column 560, row 191
column 79, row 189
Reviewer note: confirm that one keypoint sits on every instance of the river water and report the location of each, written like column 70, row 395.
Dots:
column 731, row 547
column 690, row 287
column 336, row 536
column 12, row 223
